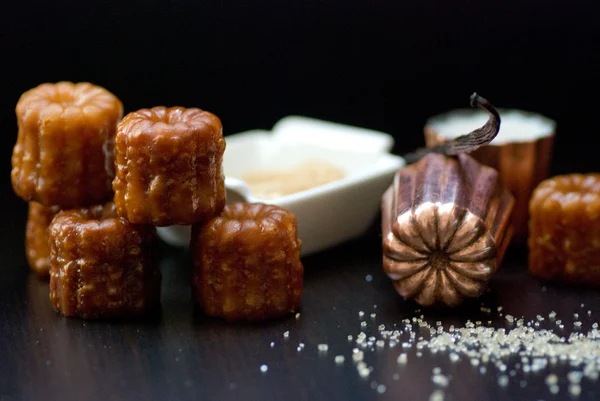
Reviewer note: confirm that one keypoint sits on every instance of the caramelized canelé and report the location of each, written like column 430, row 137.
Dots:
column 64, row 150
column 247, row 263
column 168, row 164
column 36, row 237
column 564, row 229
column 101, row 265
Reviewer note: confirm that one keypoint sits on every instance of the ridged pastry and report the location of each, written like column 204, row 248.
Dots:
column 168, row 164
column 102, row 265
column 36, row 237
column 564, row 229
column 247, row 263
column 64, row 150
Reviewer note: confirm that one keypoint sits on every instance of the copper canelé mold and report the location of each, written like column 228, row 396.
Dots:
column 445, row 225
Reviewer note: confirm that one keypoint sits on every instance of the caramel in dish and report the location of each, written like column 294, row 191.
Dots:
column 272, row 184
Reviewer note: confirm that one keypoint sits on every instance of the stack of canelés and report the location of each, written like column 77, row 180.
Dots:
column 99, row 183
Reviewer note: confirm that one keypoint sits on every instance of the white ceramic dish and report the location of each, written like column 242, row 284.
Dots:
column 329, row 214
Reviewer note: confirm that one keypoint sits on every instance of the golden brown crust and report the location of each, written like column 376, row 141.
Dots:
column 247, row 263
column 36, row 237
column 101, row 265
column 168, row 163
column 64, row 150
column 564, row 229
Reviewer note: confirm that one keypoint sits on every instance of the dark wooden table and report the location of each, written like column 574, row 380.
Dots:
column 180, row 355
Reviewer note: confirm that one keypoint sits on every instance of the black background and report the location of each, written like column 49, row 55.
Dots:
column 381, row 64
column 386, row 65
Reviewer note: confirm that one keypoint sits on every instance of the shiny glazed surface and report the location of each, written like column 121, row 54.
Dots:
column 64, row 150
column 36, row 237
column 101, row 265
column 445, row 228
column 247, row 263
column 564, row 241
column 169, row 166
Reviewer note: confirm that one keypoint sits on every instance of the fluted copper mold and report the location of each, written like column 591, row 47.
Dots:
column 446, row 227
column 523, row 162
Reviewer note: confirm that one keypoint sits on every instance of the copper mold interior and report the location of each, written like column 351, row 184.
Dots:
column 523, row 161
column 445, row 229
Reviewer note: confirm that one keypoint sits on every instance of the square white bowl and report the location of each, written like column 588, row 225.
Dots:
column 329, row 214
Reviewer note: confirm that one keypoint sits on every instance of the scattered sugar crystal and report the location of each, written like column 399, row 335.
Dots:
column 402, row 358
column 575, row 390
column 323, row 347
column 436, row 370
column 363, row 324
column 358, row 356
column 552, row 315
column 349, row 337
column 551, row 379
column 364, row 372
column 503, row 380
column 373, row 315
column 381, row 388
column 437, row 395
column 361, row 314
column 396, row 376
column 368, row 278
column 509, row 318
column 454, row 357
column 272, row 344
column 574, row 376
column 440, row 380
column 339, row 359
column 577, row 324
column 286, row 334
column 474, row 361
column 298, row 315
column 554, row 389
column 264, row 368
column 380, row 343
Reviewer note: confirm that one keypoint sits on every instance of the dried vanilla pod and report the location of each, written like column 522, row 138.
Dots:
column 521, row 153
column 446, row 223
column 465, row 143
column 101, row 265
column 64, row 150
column 36, row 237
column 247, row 263
column 564, row 236
column 169, row 166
